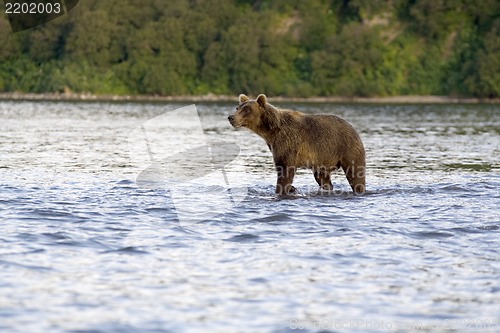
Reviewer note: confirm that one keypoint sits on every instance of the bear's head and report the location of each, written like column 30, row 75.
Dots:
column 255, row 114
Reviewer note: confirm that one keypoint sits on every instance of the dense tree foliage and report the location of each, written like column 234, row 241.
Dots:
column 280, row 47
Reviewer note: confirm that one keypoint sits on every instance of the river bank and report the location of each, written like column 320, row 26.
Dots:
column 227, row 98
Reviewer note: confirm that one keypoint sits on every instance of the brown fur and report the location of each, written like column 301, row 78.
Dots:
column 322, row 143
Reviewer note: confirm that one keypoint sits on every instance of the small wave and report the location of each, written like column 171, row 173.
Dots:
column 243, row 238
column 128, row 250
column 166, row 210
column 56, row 236
column 475, row 229
column 50, row 213
column 432, row 234
column 466, row 230
column 419, row 189
column 125, row 182
column 489, row 227
column 64, row 239
column 466, row 188
column 273, row 218
column 455, row 187
column 30, row 267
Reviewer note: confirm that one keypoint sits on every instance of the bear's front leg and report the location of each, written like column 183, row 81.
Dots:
column 322, row 176
column 285, row 180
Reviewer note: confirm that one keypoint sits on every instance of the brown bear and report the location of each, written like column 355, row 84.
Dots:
column 322, row 143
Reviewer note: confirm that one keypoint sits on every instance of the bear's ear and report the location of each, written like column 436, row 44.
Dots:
column 262, row 100
column 243, row 98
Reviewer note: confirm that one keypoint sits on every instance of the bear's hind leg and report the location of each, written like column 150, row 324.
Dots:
column 356, row 177
column 323, row 179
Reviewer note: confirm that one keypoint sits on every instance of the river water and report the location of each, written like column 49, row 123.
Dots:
column 91, row 241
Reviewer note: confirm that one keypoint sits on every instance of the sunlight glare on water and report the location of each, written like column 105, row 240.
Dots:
column 84, row 248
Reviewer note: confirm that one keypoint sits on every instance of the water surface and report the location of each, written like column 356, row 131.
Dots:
column 84, row 248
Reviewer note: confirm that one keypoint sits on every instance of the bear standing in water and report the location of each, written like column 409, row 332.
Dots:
column 322, row 143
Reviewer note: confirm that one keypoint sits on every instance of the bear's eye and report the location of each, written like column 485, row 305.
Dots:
column 245, row 111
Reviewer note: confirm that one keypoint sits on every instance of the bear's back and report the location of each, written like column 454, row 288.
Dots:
column 323, row 137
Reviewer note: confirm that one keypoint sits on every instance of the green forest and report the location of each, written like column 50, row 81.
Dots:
column 290, row 48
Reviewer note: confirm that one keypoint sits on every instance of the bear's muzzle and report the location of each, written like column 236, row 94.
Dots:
column 232, row 120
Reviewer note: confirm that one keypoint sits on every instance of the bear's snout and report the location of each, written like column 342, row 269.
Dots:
column 232, row 120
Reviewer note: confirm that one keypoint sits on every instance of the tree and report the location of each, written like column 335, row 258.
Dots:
column 350, row 63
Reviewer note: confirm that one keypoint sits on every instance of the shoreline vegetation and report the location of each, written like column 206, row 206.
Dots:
column 308, row 49
column 410, row 99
